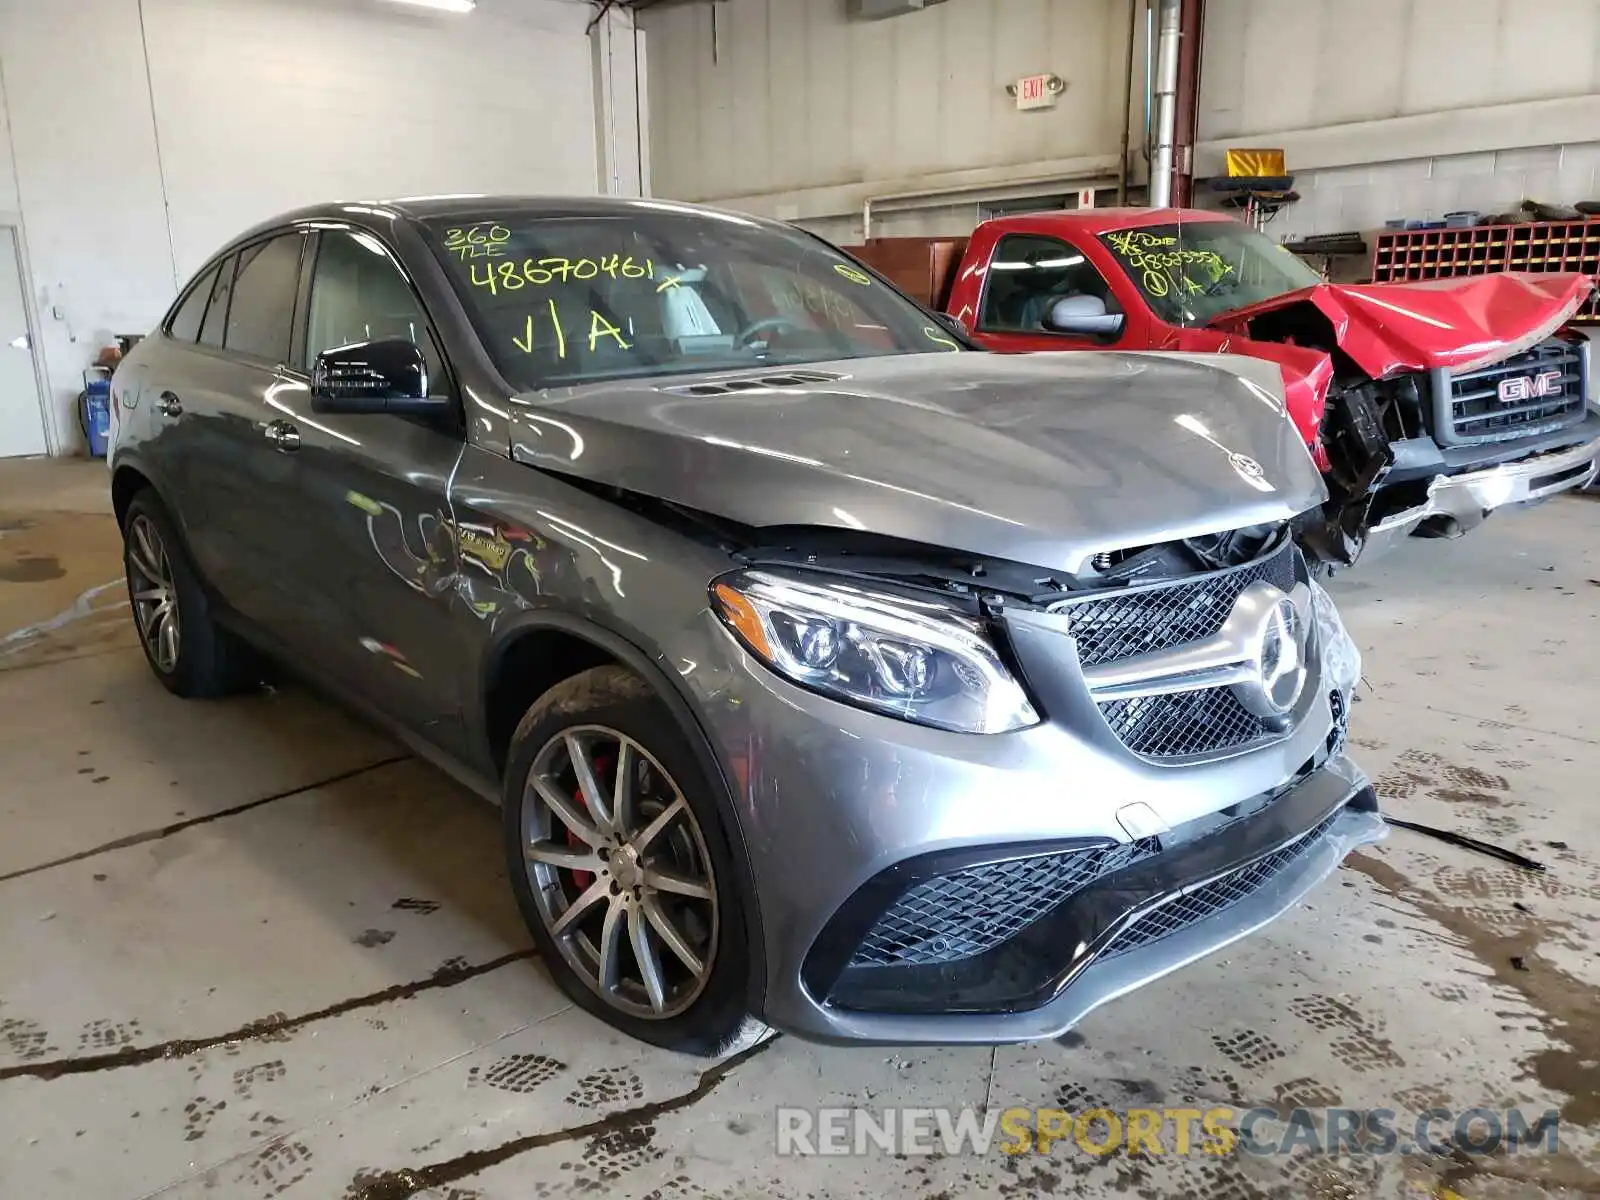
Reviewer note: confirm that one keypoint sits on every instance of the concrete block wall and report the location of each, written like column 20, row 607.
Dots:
column 1363, row 197
column 139, row 137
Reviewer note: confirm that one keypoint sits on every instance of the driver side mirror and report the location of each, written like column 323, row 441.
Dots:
column 388, row 375
column 1083, row 315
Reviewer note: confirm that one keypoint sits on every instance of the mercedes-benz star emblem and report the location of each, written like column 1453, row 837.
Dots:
column 1246, row 466
column 1279, row 658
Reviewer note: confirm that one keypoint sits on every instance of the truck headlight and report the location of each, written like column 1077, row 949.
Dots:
column 920, row 660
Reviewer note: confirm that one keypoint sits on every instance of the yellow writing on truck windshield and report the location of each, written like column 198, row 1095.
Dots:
column 1160, row 263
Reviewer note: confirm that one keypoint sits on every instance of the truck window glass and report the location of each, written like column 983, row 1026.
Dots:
column 1027, row 275
column 1195, row 271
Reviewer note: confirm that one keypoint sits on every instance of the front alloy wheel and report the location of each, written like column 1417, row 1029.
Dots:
column 619, row 870
column 154, row 594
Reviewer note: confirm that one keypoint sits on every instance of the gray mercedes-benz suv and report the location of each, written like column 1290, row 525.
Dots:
column 831, row 676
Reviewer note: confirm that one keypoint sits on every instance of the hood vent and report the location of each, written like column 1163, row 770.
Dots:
column 724, row 387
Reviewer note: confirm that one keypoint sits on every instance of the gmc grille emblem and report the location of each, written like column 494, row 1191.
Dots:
column 1531, row 387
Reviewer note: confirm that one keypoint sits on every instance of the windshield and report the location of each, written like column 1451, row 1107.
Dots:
column 1191, row 273
column 564, row 300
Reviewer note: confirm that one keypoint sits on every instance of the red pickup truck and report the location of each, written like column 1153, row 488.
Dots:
column 1426, row 405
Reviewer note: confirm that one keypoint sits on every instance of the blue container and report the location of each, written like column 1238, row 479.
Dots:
column 97, row 415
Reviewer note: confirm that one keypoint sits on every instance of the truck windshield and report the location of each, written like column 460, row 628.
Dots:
column 1198, row 270
column 566, row 300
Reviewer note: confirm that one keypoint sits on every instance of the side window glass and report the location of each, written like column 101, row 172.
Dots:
column 217, row 311
column 262, row 313
column 359, row 295
column 1028, row 274
column 185, row 323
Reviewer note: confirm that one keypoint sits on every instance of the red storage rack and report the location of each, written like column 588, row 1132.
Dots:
column 1399, row 256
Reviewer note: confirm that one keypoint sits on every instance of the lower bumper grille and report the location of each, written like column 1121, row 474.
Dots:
column 1211, row 898
column 964, row 914
column 954, row 933
column 1529, row 393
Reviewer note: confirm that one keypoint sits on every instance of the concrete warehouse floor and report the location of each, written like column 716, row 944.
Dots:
column 251, row 949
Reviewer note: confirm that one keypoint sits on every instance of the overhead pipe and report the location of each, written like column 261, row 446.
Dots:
column 1125, row 167
column 1192, row 29
column 1170, row 23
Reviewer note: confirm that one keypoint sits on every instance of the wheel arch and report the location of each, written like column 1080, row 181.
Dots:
column 585, row 644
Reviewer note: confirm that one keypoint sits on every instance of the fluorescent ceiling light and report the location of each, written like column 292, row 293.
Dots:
column 457, row 6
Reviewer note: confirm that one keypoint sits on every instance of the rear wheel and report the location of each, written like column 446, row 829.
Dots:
column 621, row 868
column 190, row 654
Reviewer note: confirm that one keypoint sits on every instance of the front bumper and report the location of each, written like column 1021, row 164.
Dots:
column 1466, row 499
column 1192, row 893
column 832, row 801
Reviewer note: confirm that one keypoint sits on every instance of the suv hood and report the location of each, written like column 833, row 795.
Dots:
column 1458, row 324
column 1043, row 459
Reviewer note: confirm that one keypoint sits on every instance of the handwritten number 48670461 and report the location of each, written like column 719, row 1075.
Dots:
column 511, row 276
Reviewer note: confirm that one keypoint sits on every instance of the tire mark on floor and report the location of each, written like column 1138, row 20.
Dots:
column 409, row 1181
column 273, row 1028
column 165, row 831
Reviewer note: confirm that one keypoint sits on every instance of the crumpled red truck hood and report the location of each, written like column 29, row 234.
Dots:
column 1459, row 324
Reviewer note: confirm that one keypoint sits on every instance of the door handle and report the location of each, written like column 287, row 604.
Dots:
column 282, row 435
column 169, row 405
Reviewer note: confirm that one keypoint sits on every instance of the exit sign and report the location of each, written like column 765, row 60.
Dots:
column 1037, row 91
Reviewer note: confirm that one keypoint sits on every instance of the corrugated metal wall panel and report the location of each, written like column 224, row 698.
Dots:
column 801, row 97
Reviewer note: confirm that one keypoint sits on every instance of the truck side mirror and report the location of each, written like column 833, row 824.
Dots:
column 1083, row 315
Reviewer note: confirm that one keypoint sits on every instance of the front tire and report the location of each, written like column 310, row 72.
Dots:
column 619, row 859
column 190, row 654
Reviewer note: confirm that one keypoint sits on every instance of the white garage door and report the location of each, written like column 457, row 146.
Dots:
column 21, row 418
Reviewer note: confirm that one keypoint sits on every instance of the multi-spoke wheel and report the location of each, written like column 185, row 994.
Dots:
column 186, row 649
column 620, row 871
column 152, row 594
column 620, row 863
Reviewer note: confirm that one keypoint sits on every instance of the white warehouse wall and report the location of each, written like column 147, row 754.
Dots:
column 788, row 108
column 1388, row 109
column 257, row 106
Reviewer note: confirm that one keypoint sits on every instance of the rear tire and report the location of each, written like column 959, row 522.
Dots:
column 189, row 652
column 631, row 903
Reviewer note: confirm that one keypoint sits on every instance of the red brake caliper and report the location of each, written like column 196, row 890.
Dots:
column 582, row 879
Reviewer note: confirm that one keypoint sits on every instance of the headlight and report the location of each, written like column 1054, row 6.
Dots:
column 919, row 660
column 1341, row 660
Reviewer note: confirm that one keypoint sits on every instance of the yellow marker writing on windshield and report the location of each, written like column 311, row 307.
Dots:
column 937, row 338
column 853, row 274
column 561, row 338
column 599, row 327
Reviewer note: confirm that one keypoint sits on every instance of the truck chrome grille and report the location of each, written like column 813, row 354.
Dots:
column 1188, row 724
column 1526, row 394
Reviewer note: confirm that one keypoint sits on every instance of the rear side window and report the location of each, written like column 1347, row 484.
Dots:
column 217, row 312
column 262, row 313
column 185, row 324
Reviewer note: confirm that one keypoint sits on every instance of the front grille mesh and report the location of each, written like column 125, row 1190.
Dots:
column 1213, row 897
column 1139, row 620
column 1184, row 724
column 1478, row 414
column 968, row 912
